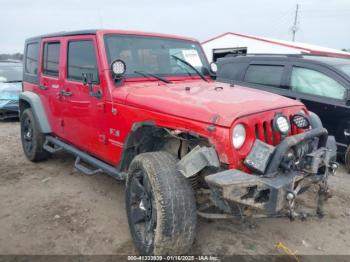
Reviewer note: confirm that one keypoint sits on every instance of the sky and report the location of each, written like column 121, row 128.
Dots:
column 320, row 22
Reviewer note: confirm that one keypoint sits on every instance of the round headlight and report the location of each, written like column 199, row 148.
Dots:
column 301, row 121
column 282, row 124
column 238, row 136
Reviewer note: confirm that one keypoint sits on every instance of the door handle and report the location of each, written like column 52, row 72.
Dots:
column 65, row 93
column 43, row 87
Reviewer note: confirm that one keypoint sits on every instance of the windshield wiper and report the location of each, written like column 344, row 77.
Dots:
column 187, row 63
column 147, row 74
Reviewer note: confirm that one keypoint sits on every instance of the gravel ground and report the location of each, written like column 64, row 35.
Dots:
column 49, row 208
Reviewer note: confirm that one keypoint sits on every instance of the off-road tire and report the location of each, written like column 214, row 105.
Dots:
column 174, row 201
column 347, row 159
column 34, row 152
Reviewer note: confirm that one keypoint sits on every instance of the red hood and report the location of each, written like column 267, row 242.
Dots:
column 201, row 101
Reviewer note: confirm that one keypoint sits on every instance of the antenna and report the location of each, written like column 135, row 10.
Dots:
column 294, row 27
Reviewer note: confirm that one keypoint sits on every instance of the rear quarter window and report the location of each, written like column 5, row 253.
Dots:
column 270, row 75
column 32, row 59
column 31, row 62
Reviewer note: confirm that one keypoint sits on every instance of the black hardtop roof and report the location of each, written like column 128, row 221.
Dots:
column 316, row 59
column 63, row 33
column 330, row 62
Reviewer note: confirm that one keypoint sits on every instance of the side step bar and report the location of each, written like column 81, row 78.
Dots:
column 51, row 148
column 53, row 145
column 84, row 169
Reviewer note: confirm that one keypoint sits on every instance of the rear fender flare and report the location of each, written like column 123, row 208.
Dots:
column 38, row 109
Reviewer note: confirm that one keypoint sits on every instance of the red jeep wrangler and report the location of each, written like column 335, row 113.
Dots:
column 144, row 108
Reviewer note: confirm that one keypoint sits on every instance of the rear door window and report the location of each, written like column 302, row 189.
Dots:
column 312, row 82
column 51, row 58
column 32, row 59
column 82, row 59
column 270, row 75
column 231, row 71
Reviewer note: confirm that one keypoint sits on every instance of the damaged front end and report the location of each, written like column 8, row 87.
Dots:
column 280, row 174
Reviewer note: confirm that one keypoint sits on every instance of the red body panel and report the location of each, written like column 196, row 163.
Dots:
column 101, row 126
column 202, row 101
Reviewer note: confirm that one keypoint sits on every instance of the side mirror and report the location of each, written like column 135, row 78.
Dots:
column 213, row 67
column 118, row 68
column 88, row 80
column 84, row 78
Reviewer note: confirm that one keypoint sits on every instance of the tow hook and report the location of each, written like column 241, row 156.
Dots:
column 291, row 208
column 333, row 166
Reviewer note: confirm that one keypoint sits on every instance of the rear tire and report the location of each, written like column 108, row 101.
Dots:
column 32, row 139
column 160, row 205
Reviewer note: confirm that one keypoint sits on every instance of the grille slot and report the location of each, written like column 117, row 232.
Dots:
column 266, row 133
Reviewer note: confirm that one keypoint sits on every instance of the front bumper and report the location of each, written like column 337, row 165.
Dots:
column 277, row 187
column 9, row 111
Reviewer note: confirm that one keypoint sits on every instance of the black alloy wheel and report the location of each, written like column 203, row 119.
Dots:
column 142, row 209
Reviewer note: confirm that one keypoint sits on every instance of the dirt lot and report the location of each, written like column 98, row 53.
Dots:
column 49, row 208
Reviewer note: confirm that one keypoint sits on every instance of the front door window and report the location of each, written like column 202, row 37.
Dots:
column 82, row 59
column 315, row 83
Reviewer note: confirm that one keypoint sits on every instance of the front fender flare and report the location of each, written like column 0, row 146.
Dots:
column 315, row 120
column 196, row 160
column 38, row 110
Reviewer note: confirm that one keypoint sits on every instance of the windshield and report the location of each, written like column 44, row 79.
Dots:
column 345, row 69
column 155, row 55
column 10, row 73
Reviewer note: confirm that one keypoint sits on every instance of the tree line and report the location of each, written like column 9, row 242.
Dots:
column 16, row 56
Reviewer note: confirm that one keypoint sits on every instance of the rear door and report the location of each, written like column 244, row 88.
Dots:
column 84, row 118
column 51, row 81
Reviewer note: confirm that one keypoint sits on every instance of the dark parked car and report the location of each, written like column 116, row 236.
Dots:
column 10, row 88
column 321, row 83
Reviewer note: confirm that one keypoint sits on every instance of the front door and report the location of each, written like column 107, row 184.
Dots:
column 324, row 93
column 83, row 114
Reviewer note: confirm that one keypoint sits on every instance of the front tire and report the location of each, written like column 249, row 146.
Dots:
column 160, row 205
column 32, row 139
